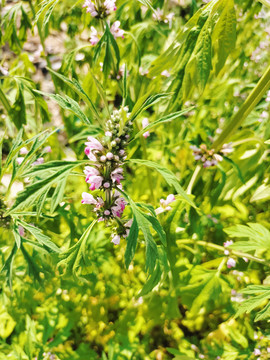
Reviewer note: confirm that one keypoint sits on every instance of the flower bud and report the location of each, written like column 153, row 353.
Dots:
column 109, row 156
column 103, row 158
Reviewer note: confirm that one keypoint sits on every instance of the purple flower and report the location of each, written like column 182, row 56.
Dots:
column 117, row 176
column 145, row 123
column 93, row 177
column 90, row 8
column 116, row 31
column 231, row 263
column 94, row 39
column 21, row 230
column 257, row 352
column 47, row 149
column 39, row 161
column 92, row 145
column 116, row 240
column 88, row 199
column 23, row 151
column 110, row 6
column 19, row 160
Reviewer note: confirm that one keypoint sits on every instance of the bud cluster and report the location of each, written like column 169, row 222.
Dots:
column 208, row 156
column 106, row 173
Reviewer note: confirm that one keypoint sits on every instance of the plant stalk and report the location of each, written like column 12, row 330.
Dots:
column 250, row 103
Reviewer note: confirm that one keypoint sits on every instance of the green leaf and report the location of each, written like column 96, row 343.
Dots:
column 144, row 222
column 58, row 194
column 152, row 281
column 17, row 112
column 72, row 257
column 163, row 120
column 43, row 15
column 75, row 85
column 262, row 193
column 131, row 242
column 224, row 34
column 39, row 236
column 170, row 178
column 67, row 103
column 145, row 102
column 29, row 196
column 255, row 301
column 8, row 265
column 258, row 235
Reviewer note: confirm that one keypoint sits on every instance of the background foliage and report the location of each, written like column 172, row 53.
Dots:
column 173, row 289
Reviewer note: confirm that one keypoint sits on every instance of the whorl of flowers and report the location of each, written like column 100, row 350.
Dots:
column 208, row 156
column 100, row 9
column 106, row 174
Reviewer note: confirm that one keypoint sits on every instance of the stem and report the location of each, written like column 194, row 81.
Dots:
column 252, row 100
column 193, row 179
column 221, row 248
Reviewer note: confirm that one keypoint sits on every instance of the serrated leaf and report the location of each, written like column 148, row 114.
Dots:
column 31, row 193
column 39, row 236
column 67, row 103
column 75, row 85
column 72, row 257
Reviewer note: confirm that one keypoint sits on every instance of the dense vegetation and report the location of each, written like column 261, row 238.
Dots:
column 134, row 193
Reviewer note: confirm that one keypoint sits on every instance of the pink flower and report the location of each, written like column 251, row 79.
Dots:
column 119, row 207
column 231, row 263
column 121, row 202
column 116, row 31
column 19, row 160
column 165, row 204
column 145, row 123
column 94, row 39
column 227, row 243
column 92, row 145
column 90, row 8
column 116, row 240
column 110, row 6
column 116, row 175
column 23, row 151
column 39, row 161
column 47, row 149
column 165, row 73
column 93, row 177
column 88, row 199
column 21, row 230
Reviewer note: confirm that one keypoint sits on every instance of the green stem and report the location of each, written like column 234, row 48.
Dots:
column 193, row 179
column 221, row 248
column 252, row 100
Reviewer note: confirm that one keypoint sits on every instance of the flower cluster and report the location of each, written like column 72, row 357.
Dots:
column 106, row 172
column 159, row 16
column 100, row 10
column 210, row 157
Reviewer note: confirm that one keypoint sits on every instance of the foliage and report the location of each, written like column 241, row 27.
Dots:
column 171, row 98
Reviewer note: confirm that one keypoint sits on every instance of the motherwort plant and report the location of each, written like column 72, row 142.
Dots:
column 106, row 172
